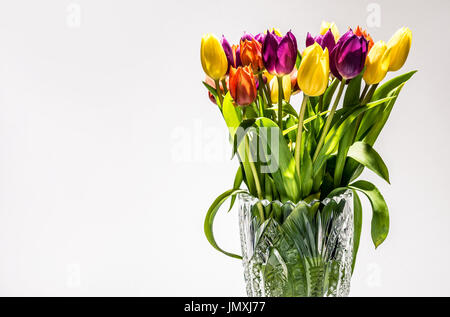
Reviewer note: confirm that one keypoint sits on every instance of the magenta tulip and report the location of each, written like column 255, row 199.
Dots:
column 279, row 53
column 348, row 57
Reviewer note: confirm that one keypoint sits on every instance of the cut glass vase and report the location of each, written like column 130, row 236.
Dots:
column 297, row 250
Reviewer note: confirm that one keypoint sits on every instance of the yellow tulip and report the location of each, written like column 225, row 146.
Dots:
column 377, row 63
column 212, row 55
column 400, row 43
column 268, row 75
column 325, row 26
column 314, row 70
column 287, row 89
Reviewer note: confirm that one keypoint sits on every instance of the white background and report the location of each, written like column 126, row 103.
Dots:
column 111, row 152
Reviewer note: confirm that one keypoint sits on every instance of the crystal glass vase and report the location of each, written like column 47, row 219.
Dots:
column 302, row 249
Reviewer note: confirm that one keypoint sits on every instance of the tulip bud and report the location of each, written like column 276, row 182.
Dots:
column 314, row 70
column 279, row 53
column 326, row 40
column 325, row 26
column 213, row 58
column 287, row 89
column 377, row 63
column 400, row 43
column 236, row 56
column 251, row 55
column 228, row 52
column 242, row 85
column 348, row 56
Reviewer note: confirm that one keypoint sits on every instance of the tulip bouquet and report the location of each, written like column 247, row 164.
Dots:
column 296, row 165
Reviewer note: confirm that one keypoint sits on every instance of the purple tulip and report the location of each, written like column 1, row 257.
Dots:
column 238, row 57
column 228, row 52
column 349, row 56
column 260, row 37
column 246, row 37
column 279, row 53
column 325, row 41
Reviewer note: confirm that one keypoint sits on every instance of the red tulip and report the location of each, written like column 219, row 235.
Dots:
column 242, row 85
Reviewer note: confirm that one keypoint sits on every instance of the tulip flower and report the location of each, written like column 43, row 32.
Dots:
column 242, row 85
column 233, row 54
column 400, row 43
column 279, row 53
column 325, row 26
column 360, row 32
column 314, row 70
column 377, row 63
column 236, row 49
column 250, row 52
column 213, row 57
column 326, row 40
column 287, row 89
column 349, row 56
column 228, row 52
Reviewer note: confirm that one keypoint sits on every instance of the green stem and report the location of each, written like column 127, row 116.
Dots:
column 298, row 141
column 369, row 95
column 329, row 119
column 366, row 87
column 320, row 106
column 280, row 102
column 264, row 92
column 267, row 91
column 364, row 102
column 219, row 93
column 224, row 85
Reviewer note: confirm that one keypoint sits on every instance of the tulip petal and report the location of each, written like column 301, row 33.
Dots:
column 269, row 52
column 328, row 41
column 286, row 56
column 333, row 68
column 309, row 40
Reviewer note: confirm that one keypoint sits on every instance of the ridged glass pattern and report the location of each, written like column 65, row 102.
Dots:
column 297, row 250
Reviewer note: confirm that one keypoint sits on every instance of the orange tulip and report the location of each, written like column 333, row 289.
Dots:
column 361, row 32
column 251, row 55
column 242, row 85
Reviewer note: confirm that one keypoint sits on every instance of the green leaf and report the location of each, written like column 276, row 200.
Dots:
column 285, row 176
column 390, row 85
column 353, row 91
column 233, row 118
column 364, row 154
column 382, row 118
column 211, row 89
column 380, row 217
column 337, row 132
column 239, row 137
column 357, row 225
column 211, row 214
column 306, row 169
column 288, row 109
column 328, row 95
column 236, row 185
column 344, row 145
column 370, row 128
column 295, row 127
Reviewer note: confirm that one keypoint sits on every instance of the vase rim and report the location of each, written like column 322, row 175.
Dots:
column 246, row 197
